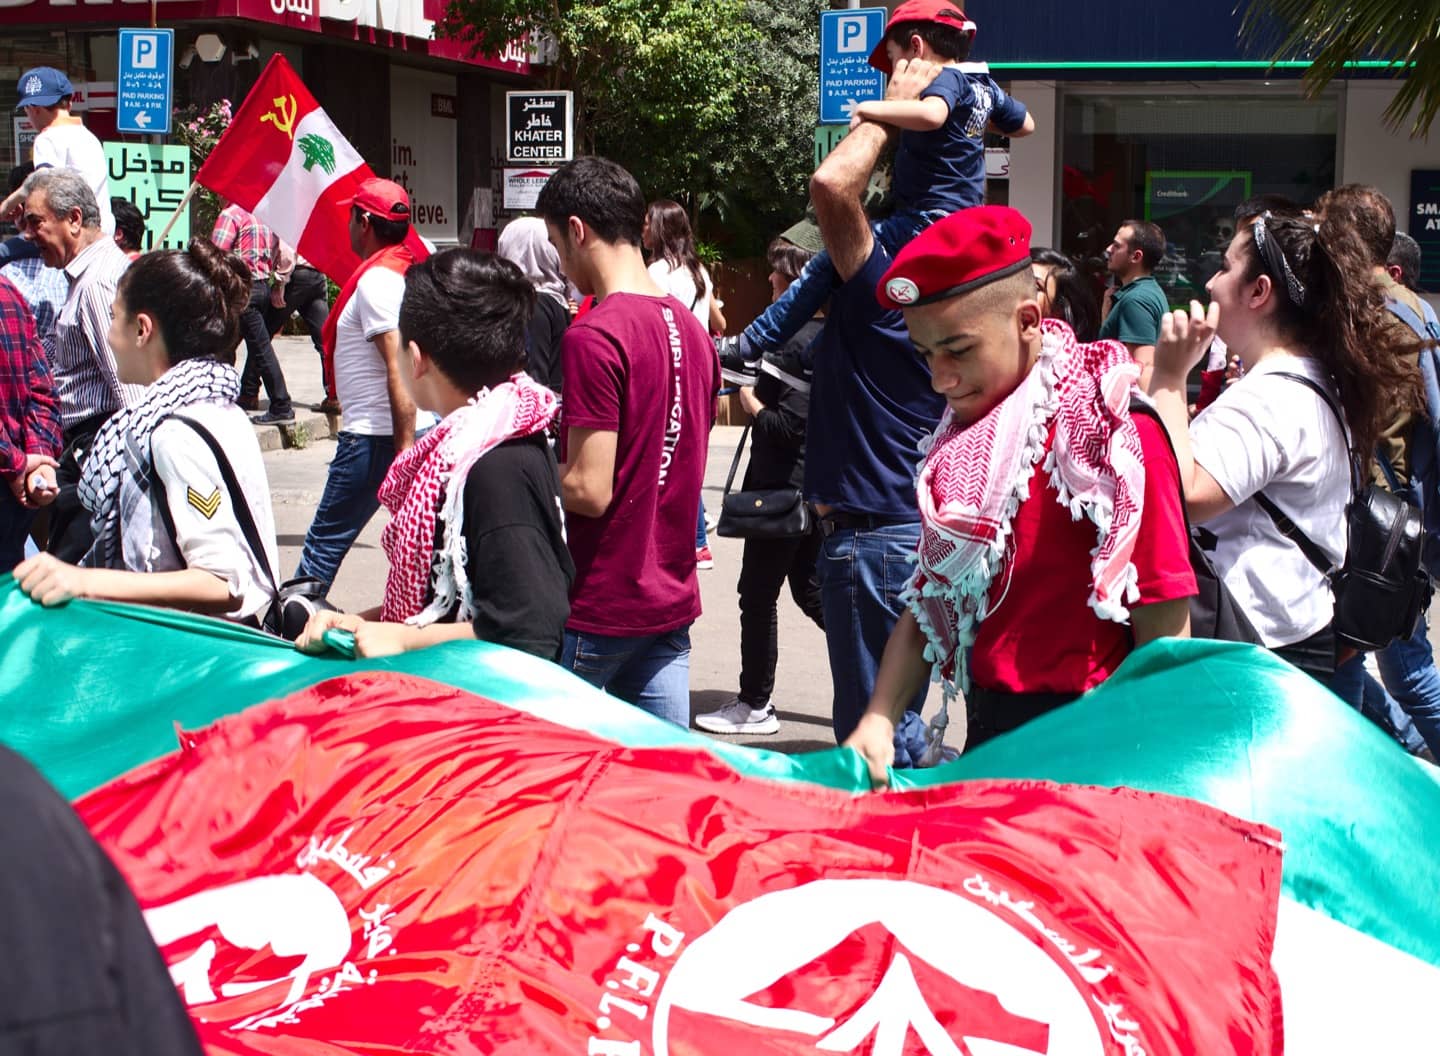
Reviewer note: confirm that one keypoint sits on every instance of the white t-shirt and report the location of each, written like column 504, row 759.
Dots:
column 359, row 369
column 207, row 530
column 678, row 283
column 1274, row 434
column 70, row 145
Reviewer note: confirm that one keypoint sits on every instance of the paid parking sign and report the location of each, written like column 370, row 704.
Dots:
column 846, row 76
column 142, row 87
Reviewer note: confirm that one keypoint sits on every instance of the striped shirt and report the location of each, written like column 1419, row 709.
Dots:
column 86, row 380
column 240, row 233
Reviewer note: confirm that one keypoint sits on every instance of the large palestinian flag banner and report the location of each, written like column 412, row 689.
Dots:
column 466, row 850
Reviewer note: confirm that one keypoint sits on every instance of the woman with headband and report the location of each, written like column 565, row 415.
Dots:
column 1294, row 301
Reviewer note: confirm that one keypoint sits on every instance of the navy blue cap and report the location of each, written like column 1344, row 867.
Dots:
column 42, row 86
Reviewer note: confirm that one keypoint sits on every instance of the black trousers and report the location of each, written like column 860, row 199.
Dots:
column 307, row 294
column 261, row 363
column 68, row 530
column 765, row 567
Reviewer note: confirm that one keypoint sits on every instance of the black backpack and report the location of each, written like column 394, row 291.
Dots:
column 1382, row 588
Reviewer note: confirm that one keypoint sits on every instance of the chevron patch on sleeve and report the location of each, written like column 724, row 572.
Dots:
column 206, row 504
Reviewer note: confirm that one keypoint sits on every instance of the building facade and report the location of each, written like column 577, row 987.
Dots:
column 1160, row 112
column 423, row 112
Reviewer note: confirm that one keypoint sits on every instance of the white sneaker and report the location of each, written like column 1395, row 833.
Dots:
column 739, row 717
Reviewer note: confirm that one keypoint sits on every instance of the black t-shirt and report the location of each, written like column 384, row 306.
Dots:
column 542, row 341
column 80, row 972
column 519, row 567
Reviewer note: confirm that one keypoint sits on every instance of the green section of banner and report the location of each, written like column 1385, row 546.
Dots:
column 92, row 689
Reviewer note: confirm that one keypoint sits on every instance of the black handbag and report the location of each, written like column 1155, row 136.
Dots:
column 1382, row 588
column 771, row 513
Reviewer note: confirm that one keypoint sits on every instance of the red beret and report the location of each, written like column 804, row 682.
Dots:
column 958, row 254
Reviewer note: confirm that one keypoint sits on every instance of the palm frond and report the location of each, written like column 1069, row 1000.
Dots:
column 1329, row 34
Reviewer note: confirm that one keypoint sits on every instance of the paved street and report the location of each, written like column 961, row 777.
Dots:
column 802, row 690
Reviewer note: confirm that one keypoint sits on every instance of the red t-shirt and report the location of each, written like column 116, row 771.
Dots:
column 1042, row 636
column 644, row 369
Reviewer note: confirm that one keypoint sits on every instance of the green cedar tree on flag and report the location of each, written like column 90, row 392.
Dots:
column 283, row 159
column 514, row 862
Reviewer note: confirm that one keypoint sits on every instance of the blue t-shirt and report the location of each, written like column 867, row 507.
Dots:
column 945, row 169
column 870, row 404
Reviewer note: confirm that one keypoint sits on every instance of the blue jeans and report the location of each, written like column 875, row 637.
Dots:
column 702, row 538
column 349, row 501
column 1408, row 671
column 812, row 288
column 861, row 575
column 1354, row 685
column 651, row 671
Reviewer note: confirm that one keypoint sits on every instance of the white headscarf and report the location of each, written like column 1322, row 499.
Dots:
column 526, row 245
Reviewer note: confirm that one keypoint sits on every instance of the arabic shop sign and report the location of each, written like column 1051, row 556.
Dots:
column 539, row 127
column 154, row 179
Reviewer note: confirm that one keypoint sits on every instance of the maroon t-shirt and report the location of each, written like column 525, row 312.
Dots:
column 644, row 369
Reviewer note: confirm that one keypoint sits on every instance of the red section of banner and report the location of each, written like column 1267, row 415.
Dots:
column 259, row 141
column 326, row 241
column 385, row 864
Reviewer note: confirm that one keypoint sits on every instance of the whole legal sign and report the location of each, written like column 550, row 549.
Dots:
column 846, row 76
column 539, row 127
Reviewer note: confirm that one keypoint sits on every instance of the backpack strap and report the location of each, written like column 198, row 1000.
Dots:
column 1288, row 528
column 243, row 514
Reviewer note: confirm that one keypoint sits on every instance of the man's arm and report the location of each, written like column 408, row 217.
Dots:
column 587, row 480
column 402, row 407
column 919, row 115
column 839, row 182
column 224, row 233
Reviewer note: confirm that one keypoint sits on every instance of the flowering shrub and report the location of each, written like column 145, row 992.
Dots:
column 200, row 129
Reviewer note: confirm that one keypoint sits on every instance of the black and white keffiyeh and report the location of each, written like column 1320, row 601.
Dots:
column 116, row 478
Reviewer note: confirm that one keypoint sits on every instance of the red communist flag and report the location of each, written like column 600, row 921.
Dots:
column 381, row 864
column 285, row 161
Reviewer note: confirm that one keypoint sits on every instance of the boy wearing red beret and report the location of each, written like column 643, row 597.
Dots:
column 1053, row 539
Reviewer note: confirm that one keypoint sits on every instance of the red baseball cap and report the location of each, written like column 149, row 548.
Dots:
column 941, row 11
column 960, row 253
column 383, row 198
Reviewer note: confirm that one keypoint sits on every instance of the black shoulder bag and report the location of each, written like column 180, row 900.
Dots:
column 1382, row 589
column 295, row 600
column 773, row 513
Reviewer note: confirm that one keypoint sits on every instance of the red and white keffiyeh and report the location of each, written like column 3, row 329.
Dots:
column 973, row 480
column 430, row 478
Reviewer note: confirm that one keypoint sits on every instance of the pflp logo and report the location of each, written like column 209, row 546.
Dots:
column 902, row 291
column 872, row 966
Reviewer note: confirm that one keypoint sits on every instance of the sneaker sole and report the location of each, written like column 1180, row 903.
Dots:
column 771, row 725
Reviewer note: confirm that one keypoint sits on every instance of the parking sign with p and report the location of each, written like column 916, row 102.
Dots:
column 143, row 82
column 846, row 76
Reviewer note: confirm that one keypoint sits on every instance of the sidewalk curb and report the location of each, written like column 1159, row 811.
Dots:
column 312, row 425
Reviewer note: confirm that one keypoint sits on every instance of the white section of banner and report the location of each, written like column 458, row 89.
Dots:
column 1345, row 991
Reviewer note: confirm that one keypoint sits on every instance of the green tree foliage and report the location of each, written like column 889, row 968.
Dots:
column 317, row 151
column 1331, row 33
column 710, row 102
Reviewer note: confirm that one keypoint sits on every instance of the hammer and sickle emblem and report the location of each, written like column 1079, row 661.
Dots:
column 284, row 119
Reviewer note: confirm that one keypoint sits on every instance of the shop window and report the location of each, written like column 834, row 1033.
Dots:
column 1185, row 162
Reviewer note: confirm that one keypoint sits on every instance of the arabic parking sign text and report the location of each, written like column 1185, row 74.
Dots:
column 143, row 85
column 846, row 76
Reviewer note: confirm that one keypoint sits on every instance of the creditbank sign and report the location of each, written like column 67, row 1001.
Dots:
column 414, row 19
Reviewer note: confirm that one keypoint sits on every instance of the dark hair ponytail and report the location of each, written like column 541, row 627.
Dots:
column 195, row 295
column 674, row 241
column 1328, row 302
